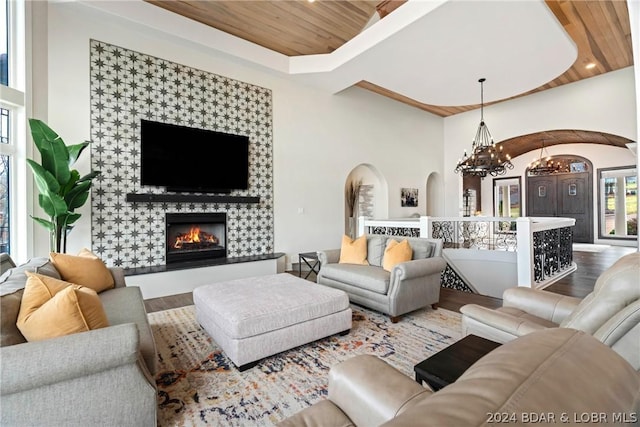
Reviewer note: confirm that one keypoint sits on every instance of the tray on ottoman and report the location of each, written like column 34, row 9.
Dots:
column 257, row 317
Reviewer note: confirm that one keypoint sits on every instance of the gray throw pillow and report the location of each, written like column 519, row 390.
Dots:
column 15, row 279
column 12, row 284
column 421, row 248
column 375, row 249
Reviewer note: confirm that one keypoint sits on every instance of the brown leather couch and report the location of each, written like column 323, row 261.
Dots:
column 556, row 376
column 611, row 313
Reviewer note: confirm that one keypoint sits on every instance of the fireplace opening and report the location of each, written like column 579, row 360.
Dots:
column 194, row 236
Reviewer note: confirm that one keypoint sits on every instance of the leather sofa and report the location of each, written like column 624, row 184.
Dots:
column 556, row 376
column 611, row 313
column 100, row 377
column 408, row 286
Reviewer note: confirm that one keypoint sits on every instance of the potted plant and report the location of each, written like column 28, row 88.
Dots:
column 62, row 189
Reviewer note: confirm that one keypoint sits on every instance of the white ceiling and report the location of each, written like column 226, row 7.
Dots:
column 431, row 51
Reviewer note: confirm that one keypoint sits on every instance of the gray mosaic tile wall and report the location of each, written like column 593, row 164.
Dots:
column 127, row 86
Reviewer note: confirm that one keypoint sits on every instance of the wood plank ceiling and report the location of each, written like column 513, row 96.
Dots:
column 289, row 27
column 600, row 29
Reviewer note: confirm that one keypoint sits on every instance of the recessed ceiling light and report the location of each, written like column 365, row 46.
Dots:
column 311, row 1
column 590, row 65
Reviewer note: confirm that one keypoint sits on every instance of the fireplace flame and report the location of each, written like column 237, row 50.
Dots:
column 195, row 235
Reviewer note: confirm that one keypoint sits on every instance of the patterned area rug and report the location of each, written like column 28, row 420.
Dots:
column 198, row 385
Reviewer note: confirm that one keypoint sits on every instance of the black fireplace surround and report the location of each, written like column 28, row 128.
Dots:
column 195, row 236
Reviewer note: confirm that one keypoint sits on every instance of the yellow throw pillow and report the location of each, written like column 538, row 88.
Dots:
column 353, row 251
column 52, row 308
column 396, row 253
column 84, row 269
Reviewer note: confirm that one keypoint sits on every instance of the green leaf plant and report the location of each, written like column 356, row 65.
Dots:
column 62, row 189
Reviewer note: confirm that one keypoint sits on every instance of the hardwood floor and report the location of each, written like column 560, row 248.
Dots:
column 577, row 284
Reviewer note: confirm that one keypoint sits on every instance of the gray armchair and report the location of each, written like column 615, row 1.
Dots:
column 408, row 286
column 611, row 313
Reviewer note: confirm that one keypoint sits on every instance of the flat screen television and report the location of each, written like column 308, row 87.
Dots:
column 187, row 159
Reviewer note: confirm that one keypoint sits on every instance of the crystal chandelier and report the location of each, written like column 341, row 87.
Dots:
column 544, row 165
column 485, row 159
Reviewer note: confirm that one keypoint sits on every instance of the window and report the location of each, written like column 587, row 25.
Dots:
column 506, row 197
column 4, row 44
column 618, row 203
column 13, row 198
column 5, row 191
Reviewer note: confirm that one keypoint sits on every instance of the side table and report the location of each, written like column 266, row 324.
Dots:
column 446, row 366
column 306, row 257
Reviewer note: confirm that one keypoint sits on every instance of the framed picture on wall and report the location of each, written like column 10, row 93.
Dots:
column 409, row 197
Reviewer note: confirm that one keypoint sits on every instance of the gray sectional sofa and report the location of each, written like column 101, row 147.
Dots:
column 99, row 377
column 408, row 286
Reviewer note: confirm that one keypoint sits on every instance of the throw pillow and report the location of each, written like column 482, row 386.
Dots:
column 84, row 269
column 353, row 251
column 12, row 284
column 52, row 308
column 396, row 253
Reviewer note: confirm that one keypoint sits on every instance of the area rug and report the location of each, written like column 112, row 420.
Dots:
column 589, row 247
column 198, row 385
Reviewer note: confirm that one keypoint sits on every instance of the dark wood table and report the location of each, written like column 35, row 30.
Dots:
column 446, row 366
column 306, row 256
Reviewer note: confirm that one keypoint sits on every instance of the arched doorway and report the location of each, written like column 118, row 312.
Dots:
column 370, row 198
column 563, row 186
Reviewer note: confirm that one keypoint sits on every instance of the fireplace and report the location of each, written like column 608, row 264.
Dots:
column 194, row 236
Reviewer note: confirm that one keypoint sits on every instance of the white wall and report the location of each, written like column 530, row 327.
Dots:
column 605, row 103
column 318, row 137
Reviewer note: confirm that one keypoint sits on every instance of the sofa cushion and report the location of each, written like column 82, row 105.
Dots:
column 375, row 279
column 375, row 249
column 353, row 251
column 12, row 284
column 15, row 279
column 396, row 253
column 421, row 248
column 52, row 308
column 614, row 290
column 84, row 269
column 125, row 305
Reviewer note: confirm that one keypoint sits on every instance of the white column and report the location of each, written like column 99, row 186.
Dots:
column 425, row 227
column 621, row 207
column 506, row 201
column 360, row 225
column 524, row 237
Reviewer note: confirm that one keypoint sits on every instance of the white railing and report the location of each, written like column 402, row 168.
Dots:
column 543, row 245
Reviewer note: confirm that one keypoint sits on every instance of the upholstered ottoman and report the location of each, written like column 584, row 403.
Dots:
column 260, row 316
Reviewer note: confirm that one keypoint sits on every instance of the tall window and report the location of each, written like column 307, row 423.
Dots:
column 5, row 192
column 506, row 197
column 12, row 123
column 618, row 200
column 4, row 43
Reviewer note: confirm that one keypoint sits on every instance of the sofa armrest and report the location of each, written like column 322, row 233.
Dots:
column 546, row 305
column 371, row 392
column 505, row 322
column 418, row 268
column 118, row 276
column 328, row 256
column 40, row 363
